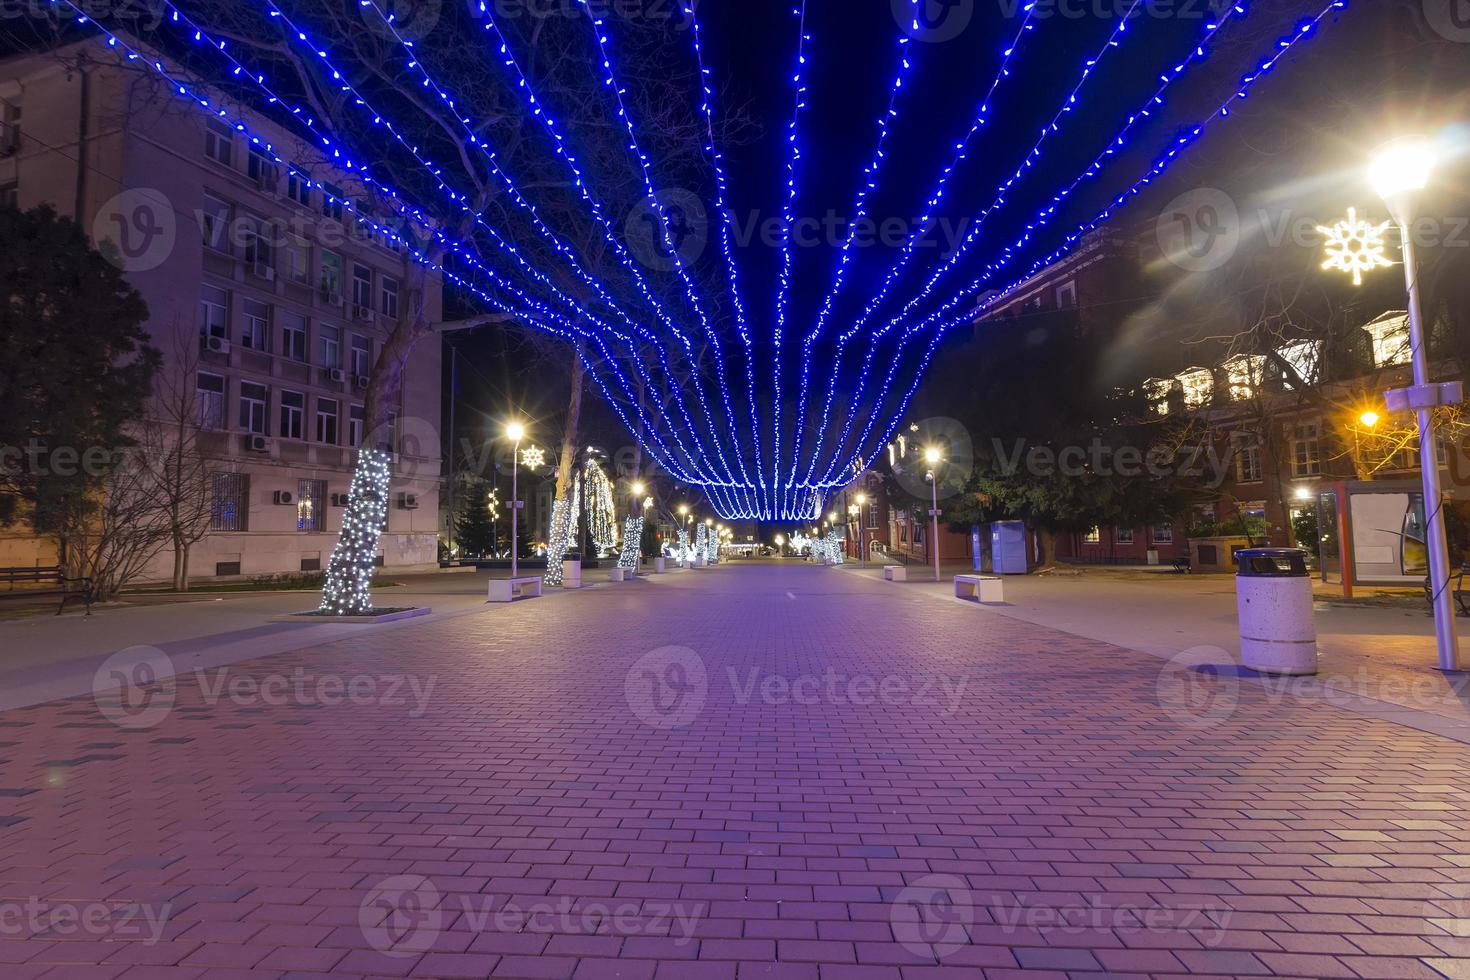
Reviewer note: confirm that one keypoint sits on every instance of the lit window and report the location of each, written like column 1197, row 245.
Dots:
column 1244, row 376
column 1305, row 358
column 1156, row 392
column 311, row 505
column 1390, row 337
column 1093, row 536
column 230, row 502
column 1162, row 534
column 1198, row 385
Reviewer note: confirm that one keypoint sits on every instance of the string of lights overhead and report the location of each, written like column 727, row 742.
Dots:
column 638, row 338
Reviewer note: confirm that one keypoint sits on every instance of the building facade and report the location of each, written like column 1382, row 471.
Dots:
column 269, row 302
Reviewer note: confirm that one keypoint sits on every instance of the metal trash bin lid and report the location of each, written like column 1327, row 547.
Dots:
column 1272, row 562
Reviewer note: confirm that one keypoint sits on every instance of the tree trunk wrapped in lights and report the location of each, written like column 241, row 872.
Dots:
column 683, row 546
column 556, row 545
column 347, row 588
column 632, row 541
column 701, row 542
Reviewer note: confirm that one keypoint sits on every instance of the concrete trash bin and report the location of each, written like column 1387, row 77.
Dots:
column 1273, row 593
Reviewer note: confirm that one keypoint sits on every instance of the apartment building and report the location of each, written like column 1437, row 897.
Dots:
column 266, row 297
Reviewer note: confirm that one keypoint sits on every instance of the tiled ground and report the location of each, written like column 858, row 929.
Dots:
column 740, row 772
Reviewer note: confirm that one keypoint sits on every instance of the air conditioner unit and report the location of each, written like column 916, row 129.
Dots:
column 268, row 178
column 216, row 345
column 337, row 375
column 257, row 444
column 263, row 271
column 340, row 500
column 364, row 313
column 283, row 498
column 335, row 299
column 408, row 501
column 361, row 381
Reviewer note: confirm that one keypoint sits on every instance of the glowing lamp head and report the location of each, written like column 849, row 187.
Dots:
column 1402, row 166
column 638, row 489
column 862, row 499
column 683, row 510
column 1368, row 419
column 1304, row 493
column 932, row 456
column 832, row 517
column 709, row 522
column 515, row 432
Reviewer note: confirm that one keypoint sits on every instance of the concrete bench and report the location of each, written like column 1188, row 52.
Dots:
column 621, row 574
column 895, row 573
column 982, row 588
column 511, row 589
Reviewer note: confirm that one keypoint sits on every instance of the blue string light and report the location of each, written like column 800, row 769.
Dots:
column 1304, row 30
column 788, row 220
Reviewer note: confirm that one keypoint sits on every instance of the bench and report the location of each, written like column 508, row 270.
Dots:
column 982, row 588
column 621, row 574
column 1456, row 587
column 53, row 575
column 511, row 589
column 895, row 573
column 1181, row 565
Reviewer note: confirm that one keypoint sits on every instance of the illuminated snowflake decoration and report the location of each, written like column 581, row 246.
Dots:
column 533, row 458
column 1355, row 246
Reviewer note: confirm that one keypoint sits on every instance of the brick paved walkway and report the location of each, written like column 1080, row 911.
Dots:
column 740, row 772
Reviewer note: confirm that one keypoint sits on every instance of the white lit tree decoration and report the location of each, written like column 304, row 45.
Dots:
column 1355, row 246
column 632, row 541
column 346, row 590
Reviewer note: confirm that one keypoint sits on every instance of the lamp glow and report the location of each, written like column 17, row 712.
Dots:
column 1402, row 166
column 1369, row 419
column 515, row 432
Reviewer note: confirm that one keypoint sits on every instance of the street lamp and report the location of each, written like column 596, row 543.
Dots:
column 638, row 489
column 1400, row 170
column 933, row 457
column 515, row 432
column 862, row 505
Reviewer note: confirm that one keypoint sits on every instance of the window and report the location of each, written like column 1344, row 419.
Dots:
column 209, row 401
column 229, row 508
column 9, row 127
column 1157, row 392
column 1067, row 296
column 1306, row 450
column 1304, row 357
column 298, row 189
column 1163, row 534
column 362, row 355
column 332, row 201
column 297, row 260
column 872, row 515
column 293, row 414
column 261, row 168
column 1247, row 459
column 326, row 421
column 1244, row 375
column 362, row 286
column 10, row 195
column 390, row 297
column 1390, row 338
column 293, row 336
column 1197, row 385
column 253, row 398
column 255, row 236
column 311, row 505
column 330, row 344
column 219, row 142
column 1093, row 536
column 331, row 275
column 356, row 422
column 214, row 224
column 255, row 327
column 1123, row 535
column 214, row 312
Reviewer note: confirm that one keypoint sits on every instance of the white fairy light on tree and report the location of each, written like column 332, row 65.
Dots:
column 601, row 511
column 347, row 588
column 632, row 540
column 556, row 544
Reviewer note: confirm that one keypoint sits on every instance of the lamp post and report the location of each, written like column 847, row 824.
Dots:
column 862, row 506
column 515, row 432
column 933, row 457
column 1399, row 171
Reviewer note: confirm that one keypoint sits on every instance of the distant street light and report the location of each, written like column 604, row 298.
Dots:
column 1399, row 172
column 934, row 457
column 862, row 505
column 1368, row 419
column 515, row 432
